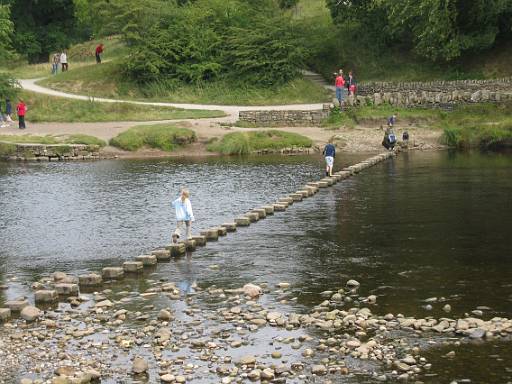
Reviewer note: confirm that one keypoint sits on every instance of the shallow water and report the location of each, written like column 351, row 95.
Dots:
column 419, row 226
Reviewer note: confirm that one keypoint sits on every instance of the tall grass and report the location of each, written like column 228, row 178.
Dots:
column 48, row 139
column 242, row 143
column 162, row 136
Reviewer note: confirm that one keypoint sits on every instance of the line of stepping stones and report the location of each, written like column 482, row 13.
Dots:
column 66, row 285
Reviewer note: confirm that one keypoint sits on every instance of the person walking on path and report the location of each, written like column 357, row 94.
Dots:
column 351, row 84
column 329, row 153
column 64, row 61
column 8, row 110
column 21, row 109
column 340, row 87
column 392, row 120
column 55, row 63
column 99, row 51
column 184, row 216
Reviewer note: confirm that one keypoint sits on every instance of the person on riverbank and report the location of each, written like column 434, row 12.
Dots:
column 351, row 84
column 389, row 140
column 64, row 61
column 99, row 50
column 55, row 63
column 21, row 110
column 8, row 111
column 339, row 83
column 329, row 153
column 184, row 216
column 392, row 120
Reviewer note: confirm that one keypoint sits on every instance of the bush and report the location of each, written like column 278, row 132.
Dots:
column 210, row 39
column 242, row 143
column 165, row 137
column 7, row 149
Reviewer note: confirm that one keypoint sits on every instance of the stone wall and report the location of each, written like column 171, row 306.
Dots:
column 49, row 152
column 494, row 85
column 429, row 99
column 284, row 118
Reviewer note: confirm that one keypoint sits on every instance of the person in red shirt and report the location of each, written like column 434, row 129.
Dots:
column 99, row 51
column 340, row 87
column 21, row 110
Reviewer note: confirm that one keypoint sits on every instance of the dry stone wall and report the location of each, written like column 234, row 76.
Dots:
column 494, row 85
column 284, row 118
column 50, row 152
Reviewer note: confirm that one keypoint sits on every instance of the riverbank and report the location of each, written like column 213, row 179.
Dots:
column 358, row 138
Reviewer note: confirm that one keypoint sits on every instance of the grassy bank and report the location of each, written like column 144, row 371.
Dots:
column 106, row 80
column 48, row 139
column 480, row 125
column 44, row 108
column 162, row 136
column 241, row 143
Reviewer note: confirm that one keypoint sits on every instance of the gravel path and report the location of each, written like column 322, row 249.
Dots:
column 232, row 110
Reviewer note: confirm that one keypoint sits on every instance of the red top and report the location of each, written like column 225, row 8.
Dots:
column 99, row 49
column 340, row 81
column 21, row 108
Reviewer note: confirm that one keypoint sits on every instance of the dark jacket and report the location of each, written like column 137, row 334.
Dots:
column 329, row 150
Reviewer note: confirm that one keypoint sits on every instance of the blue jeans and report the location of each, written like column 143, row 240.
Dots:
column 55, row 69
column 340, row 93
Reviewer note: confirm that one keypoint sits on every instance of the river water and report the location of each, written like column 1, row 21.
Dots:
column 434, row 224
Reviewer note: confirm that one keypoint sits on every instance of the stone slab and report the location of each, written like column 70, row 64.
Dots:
column 66, row 289
column 230, row 227
column 176, row 250
column 46, row 296
column 242, row 221
column 109, row 273
column 90, row 279
column 147, row 260
column 269, row 209
column 162, row 254
column 16, row 305
column 200, row 240
column 133, row 266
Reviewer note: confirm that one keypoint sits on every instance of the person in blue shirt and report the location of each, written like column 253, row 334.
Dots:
column 329, row 153
column 184, row 215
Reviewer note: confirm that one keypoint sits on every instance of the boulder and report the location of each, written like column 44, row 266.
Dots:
column 30, row 313
column 46, row 296
column 252, row 290
column 139, row 366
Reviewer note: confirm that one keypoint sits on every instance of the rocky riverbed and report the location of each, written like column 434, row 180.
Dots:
column 159, row 332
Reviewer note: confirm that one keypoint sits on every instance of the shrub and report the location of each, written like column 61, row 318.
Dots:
column 165, row 137
column 242, row 143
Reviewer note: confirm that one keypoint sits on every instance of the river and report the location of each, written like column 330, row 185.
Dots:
column 423, row 225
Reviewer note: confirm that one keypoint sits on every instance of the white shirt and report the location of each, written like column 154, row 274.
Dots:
column 63, row 58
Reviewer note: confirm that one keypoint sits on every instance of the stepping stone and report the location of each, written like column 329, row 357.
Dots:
column 221, row 230
column 312, row 189
column 279, row 207
column 242, row 221
column 91, row 279
column 190, row 245
column 296, row 196
column 133, row 266
column 176, row 250
column 304, row 192
column 252, row 216
column 109, row 273
column 211, row 234
column 66, row 289
column 200, row 240
column 16, row 305
column 288, row 200
column 46, row 296
column 147, row 260
column 162, row 254
column 283, row 203
column 269, row 209
column 323, row 184
column 230, row 227
column 262, row 213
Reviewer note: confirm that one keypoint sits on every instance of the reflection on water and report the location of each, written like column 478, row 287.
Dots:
column 420, row 226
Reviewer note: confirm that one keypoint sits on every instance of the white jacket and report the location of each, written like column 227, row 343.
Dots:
column 183, row 210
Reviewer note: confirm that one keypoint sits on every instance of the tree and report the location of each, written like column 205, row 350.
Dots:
column 6, row 31
column 440, row 30
column 42, row 26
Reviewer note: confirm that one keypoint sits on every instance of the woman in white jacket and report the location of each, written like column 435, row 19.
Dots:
column 184, row 215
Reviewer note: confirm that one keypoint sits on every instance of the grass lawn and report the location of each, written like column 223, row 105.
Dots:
column 242, row 143
column 161, row 136
column 106, row 80
column 56, row 109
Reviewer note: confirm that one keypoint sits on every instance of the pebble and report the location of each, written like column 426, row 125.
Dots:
column 139, row 365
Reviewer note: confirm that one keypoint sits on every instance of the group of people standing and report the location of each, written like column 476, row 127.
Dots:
column 5, row 113
column 344, row 85
column 61, row 59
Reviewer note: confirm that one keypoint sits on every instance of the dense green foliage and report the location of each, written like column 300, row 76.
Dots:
column 42, row 27
column 205, row 40
column 163, row 136
column 435, row 29
column 242, row 143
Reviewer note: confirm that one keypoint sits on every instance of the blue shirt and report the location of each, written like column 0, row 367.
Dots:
column 329, row 150
column 183, row 210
